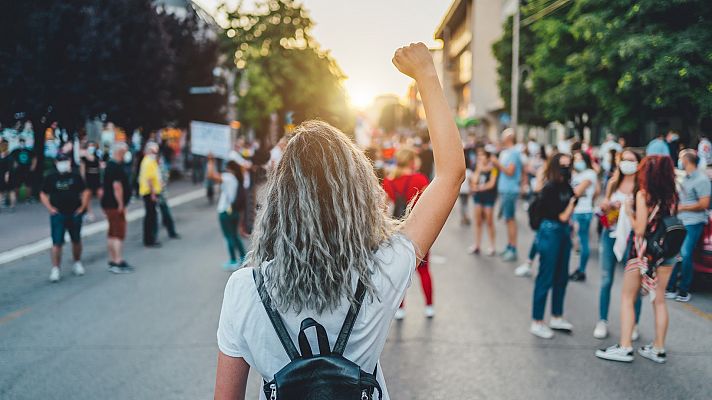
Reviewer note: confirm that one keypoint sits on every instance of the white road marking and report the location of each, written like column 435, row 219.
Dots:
column 91, row 229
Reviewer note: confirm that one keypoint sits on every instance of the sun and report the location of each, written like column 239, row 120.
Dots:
column 360, row 97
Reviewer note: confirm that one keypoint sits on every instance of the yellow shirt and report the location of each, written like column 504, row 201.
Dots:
column 149, row 176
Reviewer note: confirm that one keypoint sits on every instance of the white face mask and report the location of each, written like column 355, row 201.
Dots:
column 63, row 167
column 127, row 157
column 628, row 167
column 91, row 150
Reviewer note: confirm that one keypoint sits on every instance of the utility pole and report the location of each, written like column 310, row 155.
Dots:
column 515, row 69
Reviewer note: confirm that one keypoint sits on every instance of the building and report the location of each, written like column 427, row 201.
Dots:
column 469, row 68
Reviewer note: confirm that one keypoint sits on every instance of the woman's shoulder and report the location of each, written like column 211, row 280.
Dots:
column 241, row 284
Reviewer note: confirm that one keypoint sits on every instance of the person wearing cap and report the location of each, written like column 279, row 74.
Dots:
column 66, row 196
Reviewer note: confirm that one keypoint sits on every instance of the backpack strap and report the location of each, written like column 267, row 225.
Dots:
column 274, row 317
column 348, row 325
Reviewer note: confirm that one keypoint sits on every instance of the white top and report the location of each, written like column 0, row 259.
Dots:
column 245, row 330
column 585, row 202
column 621, row 198
column 228, row 190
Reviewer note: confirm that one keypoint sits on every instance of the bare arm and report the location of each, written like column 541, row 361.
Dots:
column 432, row 209
column 45, row 202
column 566, row 214
column 211, row 173
column 231, row 378
column 702, row 204
column 639, row 219
column 580, row 189
column 508, row 170
column 492, row 180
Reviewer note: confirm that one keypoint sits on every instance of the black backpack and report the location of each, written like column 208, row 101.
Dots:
column 534, row 211
column 328, row 375
column 401, row 202
column 665, row 239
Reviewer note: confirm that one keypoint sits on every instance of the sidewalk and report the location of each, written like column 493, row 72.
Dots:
column 30, row 222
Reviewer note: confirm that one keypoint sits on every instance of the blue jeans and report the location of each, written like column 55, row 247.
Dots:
column 583, row 220
column 684, row 268
column 533, row 250
column 554, row 244
column 608, row 271
column 229, row 225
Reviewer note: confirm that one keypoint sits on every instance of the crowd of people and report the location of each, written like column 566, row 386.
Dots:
column 612, row 193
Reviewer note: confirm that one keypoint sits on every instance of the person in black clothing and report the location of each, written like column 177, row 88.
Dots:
column 24, row 163
column 66, row 197
column 115, row 198
column 91, row 172
column 553, row 241
column 5, row 167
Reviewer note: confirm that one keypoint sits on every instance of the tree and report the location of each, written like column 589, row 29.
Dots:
column 285, row 67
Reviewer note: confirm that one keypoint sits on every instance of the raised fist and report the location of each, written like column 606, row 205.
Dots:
column 414, row 60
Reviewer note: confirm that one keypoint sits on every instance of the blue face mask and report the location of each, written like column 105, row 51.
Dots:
column 679, row 164
column 579, row 165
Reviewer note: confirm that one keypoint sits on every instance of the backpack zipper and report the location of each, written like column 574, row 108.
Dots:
column 273, row 387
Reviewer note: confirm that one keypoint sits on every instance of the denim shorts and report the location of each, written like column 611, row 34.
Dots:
column 61, row 223
column 508, row 205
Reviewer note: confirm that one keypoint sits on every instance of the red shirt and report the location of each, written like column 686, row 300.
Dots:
column 416, row 184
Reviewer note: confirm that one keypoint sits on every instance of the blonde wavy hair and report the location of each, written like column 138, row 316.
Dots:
column 323, row 218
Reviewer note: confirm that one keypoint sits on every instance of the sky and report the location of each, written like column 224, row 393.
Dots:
column 363, row 34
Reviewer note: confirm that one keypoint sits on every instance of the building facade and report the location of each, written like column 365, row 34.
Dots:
column 469, row 68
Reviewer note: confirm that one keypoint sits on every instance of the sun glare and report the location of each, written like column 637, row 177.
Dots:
column 360, row 97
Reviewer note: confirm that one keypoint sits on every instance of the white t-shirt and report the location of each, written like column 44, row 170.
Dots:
column 245, row 330
column 228, row 190
column 585, row 202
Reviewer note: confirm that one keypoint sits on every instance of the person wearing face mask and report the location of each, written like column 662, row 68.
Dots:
column 694, row 201
column 554, row 243
column 24, row 164
column 91, row 172
column 619, row 190
column 585, row 184
column 149, row 188
column 66, row 196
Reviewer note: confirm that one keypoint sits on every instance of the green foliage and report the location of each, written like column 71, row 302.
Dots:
column 285, row 68
column 623, row 63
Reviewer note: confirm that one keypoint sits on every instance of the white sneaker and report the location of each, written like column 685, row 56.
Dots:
column 541, row 330
column 635, row 335
column 616, row 353
column 670, row 295
column 400, row 314
column 601, row 330
column 490, row 252
column 429, row 312
column 54, row 274
column 560, row 324
column 78, row 269
column 523, row 270
column 652, row 354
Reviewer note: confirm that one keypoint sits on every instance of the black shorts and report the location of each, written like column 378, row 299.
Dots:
column 19, row 178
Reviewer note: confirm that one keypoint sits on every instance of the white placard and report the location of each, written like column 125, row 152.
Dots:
column 207, row 138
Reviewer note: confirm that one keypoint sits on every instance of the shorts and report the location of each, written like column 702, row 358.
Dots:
column 117, row 223
column 60, row 223
column 19, row 178
column 484, row 201
column 508, row 205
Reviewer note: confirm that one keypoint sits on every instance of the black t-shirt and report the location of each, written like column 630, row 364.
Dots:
column 114, row 172
column 23, row 159
column 5, row 164
column 555, row 199
column 92, row 171
column 64, row 191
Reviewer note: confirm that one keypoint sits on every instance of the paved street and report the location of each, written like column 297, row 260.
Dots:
column 151, row 334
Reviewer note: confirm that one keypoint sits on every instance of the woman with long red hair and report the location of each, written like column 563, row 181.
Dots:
column 655, row 199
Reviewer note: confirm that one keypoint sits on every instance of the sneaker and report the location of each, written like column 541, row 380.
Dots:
column 670, row 294
column 683, row 297
column 541, row 330
column 126, row 268
column 429, row 312
column 78, row 269
column 473, row 250
column 578, row 276
column 616, row 353
column 54, row 274
column 155, row 245
column 523, row 270
column 560, row 324
column 400, row 314
column 509, row 256
column 121, row 268
column 490, row 252
column 601, row 330
column 635, row 335
column 653, row 354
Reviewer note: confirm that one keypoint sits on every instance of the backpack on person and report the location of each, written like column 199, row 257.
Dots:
column 239, row 204
column 327, row 375
column 400, row 205
column 664, row 239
